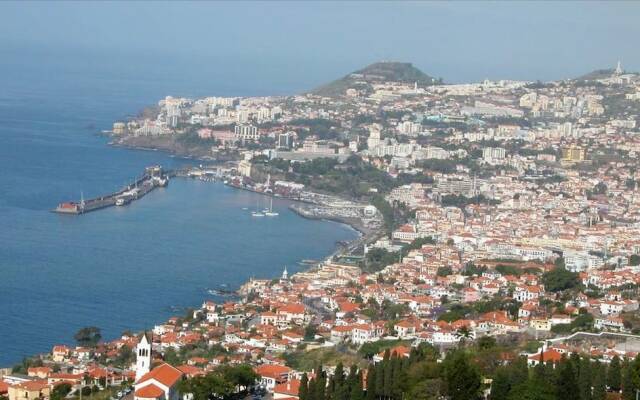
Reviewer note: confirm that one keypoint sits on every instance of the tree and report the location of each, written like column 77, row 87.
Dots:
column 310, row 332
column 223, row 383
column 26, row 363
column 463, row 334
column 241, row 376
column 599, row 382
column 60, row 391
column 501, row 384
column 614, row 374
column 88, row 336
column 559, row 279
column 125, row 356
column 206, row 387
column 627, row 383
column 505, row 269
column 600, row 188
column 461, row 377
column 631, row 380
column 486, row 343
column 338, row 384
column 303, row 393
column 585, row 378
column 567, row 387
column 171, row 356
column 356, row 386
column 371, row 383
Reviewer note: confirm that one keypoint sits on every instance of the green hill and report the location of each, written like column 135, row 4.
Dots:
column 385, row 71
column 597, row 74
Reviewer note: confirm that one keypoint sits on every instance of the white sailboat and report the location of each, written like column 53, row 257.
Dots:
column 257, row 212
column 270, row 212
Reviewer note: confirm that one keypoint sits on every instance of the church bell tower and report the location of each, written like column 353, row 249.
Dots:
column 143, row 356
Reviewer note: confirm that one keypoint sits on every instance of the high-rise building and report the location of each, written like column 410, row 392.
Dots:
column 375, row 136
column 246, row 132
column 573, row 153
column 493, row 153
column 285, row 140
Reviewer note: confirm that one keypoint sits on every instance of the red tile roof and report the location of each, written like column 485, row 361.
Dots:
column 164, row 373
column 290, row 388
column 149, row 392
column 272, row 371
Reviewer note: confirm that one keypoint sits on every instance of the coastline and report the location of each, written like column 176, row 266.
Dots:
column 364, row 234
column 232, row 292
column 165, row 145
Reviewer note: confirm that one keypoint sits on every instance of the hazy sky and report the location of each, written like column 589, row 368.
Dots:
column 306, row 43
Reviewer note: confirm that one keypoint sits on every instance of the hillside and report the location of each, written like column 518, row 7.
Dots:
column 597, row 74
column 378, row 72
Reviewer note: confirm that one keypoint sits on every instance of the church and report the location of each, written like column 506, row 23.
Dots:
column 159, row 383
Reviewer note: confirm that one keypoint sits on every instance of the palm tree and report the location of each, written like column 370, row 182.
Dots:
column 463, row 333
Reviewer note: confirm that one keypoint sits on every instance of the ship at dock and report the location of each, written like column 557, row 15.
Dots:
column 152, row 178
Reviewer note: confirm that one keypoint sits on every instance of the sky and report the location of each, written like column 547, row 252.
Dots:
column 302, row 44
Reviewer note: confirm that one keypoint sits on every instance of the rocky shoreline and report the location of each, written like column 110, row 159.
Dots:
column 170, row 145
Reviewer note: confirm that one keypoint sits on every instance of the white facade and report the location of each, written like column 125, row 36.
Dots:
column 143, row 357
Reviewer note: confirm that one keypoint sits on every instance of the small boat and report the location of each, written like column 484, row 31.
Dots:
column 245, row 208
column 257, row 212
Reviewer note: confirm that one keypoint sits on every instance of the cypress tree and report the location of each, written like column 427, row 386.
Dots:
column 311, row 390
column 599, row 381
column 501, row 384
column 379, row 375
column 395, row 390
column 627, row 382
column 462, row 379
column 350, row 381
column 371, row 383
column 614, row 375
column 519, row 371
column 320, row 385
column 356, row 392
column 330, row 391
column 566, row 387
column 538, row 384
column 387, row 378
column 303, row 393
column 631, row 380
column 585, row 379
column 338, row 383
column 575, row 360
column 339, row 373
column 539, row 372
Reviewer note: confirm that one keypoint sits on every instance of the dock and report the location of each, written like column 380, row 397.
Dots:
column 152, row 178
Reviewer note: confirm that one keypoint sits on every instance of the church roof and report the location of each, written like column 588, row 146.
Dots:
column 164, row 374
column 149, row 392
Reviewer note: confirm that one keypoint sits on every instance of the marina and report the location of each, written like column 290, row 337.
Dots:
column 152, row 178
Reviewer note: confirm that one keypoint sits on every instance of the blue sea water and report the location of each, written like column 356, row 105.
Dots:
column 123, row 268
